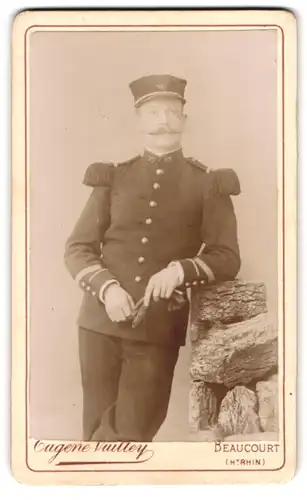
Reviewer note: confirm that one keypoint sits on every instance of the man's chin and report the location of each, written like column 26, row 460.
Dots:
column 166, row 134
column 166, row 140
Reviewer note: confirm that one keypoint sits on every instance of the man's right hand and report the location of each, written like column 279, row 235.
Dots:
column 118, row 303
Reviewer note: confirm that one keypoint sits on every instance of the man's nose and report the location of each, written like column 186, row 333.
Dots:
column 163, row 117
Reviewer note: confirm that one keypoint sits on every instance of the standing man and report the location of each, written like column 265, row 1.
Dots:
column 153, row 227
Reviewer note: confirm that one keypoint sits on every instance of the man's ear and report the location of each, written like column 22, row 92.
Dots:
column 185, row 117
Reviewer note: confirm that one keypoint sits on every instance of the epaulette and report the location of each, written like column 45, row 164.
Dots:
column 99, row 174
column 196, row 163
column 218, row 182
column 102, row 174
column 223, row 181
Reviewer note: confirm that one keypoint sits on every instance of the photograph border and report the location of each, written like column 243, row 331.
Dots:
column 281, row 336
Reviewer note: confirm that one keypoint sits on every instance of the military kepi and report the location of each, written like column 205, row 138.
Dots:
column 151, row 86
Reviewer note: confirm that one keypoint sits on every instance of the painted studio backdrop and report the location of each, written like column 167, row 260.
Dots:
column 81, row 111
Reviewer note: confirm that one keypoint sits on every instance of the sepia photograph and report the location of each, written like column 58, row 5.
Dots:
column 155, row 241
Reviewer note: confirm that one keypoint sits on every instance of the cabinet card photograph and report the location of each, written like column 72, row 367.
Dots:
column 154, row 247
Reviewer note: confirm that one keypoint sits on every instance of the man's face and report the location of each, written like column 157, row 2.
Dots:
column 162, row 121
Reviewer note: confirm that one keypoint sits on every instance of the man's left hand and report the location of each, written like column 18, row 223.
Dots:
column 162, row 284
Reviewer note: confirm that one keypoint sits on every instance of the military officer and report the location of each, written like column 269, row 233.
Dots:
column 153, row 227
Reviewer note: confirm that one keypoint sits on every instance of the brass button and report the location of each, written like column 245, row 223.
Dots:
column 137, row 279
column 202, row 282
column 88, row 288
column 141, row 260
column 93, row 293
column 144, row 240
column 153, row 203
column 148, row 221
column 156, row 185
column 187, row 284
column 194, row 283
column 159, row 171
column 82, row 283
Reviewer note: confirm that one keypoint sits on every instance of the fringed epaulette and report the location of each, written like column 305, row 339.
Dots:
column 99, row 174
column 219, row 182
column 223, row 181
column 102, row 174
column 196, row 163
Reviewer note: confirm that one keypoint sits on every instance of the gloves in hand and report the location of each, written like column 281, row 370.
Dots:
column 162, row 284
column 118, row 303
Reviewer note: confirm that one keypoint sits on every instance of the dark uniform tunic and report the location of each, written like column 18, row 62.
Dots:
column 146, row 213
column 140, row 216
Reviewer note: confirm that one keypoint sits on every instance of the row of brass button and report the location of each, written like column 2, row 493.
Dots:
column 149, row 221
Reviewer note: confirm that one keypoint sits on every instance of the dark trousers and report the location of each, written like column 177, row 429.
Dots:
column 126, row 386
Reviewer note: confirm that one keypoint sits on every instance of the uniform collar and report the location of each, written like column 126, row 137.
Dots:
column 150, row 157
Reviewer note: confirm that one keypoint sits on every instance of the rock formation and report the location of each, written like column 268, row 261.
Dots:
column 234, row 388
